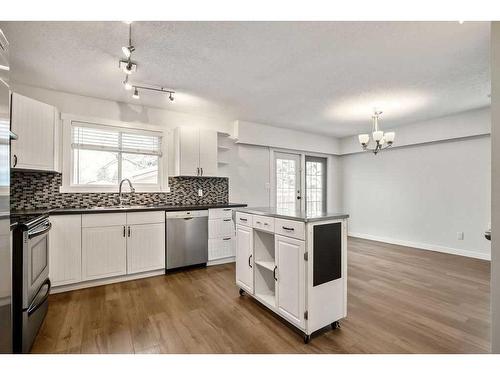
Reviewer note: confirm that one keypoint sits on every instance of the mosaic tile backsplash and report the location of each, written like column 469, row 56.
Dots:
column 40, row 190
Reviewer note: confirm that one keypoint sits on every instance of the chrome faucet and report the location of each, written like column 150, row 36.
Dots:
column 120, row 194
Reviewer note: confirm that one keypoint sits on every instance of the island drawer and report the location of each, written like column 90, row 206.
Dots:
column 290, row 228
column 244, row 219
column 263, row 223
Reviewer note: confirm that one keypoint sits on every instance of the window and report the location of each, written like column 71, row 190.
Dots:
column 287, row 169
column 104, row 155
column 315, row 184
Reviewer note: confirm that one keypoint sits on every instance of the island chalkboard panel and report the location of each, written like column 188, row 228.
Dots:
column 327, row 262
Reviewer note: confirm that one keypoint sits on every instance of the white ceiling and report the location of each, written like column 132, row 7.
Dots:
column 322, row 77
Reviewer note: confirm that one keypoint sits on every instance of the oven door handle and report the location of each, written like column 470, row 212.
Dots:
column 36, row 233
column 36, row 305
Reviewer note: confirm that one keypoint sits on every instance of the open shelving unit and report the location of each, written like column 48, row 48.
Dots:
column 265, row 285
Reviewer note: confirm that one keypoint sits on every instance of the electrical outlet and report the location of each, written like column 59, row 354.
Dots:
column 460, row 235
column 200, row 192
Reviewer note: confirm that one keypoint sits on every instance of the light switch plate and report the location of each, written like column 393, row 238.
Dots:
column 200, row 192
column 460, row 235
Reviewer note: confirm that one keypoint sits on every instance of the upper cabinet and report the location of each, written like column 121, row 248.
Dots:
column 195, row 152
column 38, row 129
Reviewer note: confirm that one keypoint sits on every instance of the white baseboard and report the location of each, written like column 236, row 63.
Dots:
column 423, row 246
column 215, row 262
column 110, row 280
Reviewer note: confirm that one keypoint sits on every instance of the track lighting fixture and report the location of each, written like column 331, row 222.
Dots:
column 130, row 67
column 127, row 84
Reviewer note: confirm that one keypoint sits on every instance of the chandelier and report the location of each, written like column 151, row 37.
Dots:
column 379, row 137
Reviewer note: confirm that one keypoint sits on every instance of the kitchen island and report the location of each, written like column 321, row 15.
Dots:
column 295, row 264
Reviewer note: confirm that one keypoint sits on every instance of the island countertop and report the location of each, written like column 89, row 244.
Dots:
column 303, row 216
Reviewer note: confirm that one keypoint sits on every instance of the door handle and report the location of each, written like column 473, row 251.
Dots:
column 15, row 161
column 129, row 230
column 197, row 171
column 274, row 273
column 124, row 231
column 249, row 261
column 487, row 234
column 201, row 171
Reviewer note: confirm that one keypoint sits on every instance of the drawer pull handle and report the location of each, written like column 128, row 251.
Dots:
column 227, row 219
column 274, row 273
column 266, row 223
column 243, row 219
column 258, row 222
column 249, row 261
column 226, row 239
column 288, row 228
column 227, row 209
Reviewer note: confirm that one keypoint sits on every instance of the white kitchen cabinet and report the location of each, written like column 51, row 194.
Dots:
column 290, row 274
column 38, row 128
column 65, row 249
column 244, row 257
column 104, row 251
column 145, row 247
column 208, row 152
column 195, row 152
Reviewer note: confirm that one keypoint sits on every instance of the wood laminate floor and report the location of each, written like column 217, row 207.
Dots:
column 400, row 300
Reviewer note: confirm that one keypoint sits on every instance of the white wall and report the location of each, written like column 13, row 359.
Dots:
column 266, row 135
column 495, row 174
column 422, row 195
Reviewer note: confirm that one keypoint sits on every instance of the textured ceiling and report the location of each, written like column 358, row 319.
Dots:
column 322, row 77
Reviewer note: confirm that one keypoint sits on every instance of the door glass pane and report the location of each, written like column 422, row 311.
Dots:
column 315, row 184
column 287, row 181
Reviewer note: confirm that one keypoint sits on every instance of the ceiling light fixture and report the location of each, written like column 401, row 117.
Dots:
column 378, row 135
column 129, row 67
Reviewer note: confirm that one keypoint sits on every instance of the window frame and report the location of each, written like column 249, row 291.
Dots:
column 68, row 156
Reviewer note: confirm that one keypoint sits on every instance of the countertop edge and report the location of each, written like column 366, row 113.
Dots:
column 327, row 216
column 104, row 210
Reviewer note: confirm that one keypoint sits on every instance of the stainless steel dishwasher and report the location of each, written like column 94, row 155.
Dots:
column 187, row 238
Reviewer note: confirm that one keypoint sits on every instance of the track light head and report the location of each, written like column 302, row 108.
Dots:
column 136, row 94
column 171, row 96
column 127, row 84
column 127, row 51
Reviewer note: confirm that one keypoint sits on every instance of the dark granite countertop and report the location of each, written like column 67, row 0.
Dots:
column 125, row 208
column 293, row 215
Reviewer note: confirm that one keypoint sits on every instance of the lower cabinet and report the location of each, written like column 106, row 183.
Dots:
column 290, row 270
column 244, row 255
column 98, row 246
column 65, row 249
column 104, row 252
column 145, row 247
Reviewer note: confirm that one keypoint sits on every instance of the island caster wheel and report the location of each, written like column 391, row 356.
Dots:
column 336, row 325
column 242, row 292
column 307, row 338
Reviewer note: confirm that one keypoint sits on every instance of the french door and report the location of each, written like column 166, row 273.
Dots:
column 287, row 181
